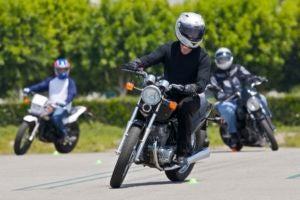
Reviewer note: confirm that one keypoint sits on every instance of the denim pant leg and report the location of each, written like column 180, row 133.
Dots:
column 227, row 111
column 57, row 119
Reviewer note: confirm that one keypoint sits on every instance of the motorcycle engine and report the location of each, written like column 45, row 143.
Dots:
column 159, row 136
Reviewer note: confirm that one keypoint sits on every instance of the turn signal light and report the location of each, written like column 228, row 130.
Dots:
column 172, row 105
column 26, row 100
column 129, row 86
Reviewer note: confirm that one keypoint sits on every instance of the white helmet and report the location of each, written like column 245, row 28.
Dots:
column 223, row 58
column 190, row 28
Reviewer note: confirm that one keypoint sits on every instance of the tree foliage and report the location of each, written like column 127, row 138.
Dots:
column 263, row 35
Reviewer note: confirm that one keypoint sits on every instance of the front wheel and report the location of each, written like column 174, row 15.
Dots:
column 269, row 134
column 22, row 142
column 73, row 131
column 227, row 140
column 126, row 157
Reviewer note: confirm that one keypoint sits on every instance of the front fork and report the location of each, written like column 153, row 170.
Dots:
column 32, row 119
column 261, row 115
column 129, row 124
column 146, row 134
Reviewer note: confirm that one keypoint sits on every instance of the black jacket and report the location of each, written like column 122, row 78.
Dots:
column 193, row 68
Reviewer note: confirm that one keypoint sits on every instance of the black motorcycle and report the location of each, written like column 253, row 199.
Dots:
column 254, row 124
column 150, row 135
column 37, row 123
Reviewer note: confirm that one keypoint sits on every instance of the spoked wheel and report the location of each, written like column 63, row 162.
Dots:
column 198, row 142
column 22, row 142
column 73, row 131
column 126, row 157
column 269, row 134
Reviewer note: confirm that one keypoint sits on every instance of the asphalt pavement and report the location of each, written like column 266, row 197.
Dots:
column 254, row 174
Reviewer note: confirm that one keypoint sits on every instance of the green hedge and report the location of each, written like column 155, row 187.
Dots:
column 285, row 110
column 117, row 111
column 263, row 35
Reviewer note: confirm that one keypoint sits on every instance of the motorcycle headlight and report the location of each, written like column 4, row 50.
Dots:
column 253, row 104
column 151, row 95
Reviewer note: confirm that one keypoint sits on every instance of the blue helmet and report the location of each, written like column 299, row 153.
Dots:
column 62, row 68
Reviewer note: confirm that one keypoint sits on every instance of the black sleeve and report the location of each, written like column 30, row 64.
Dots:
column 155, row 57
column 203, row 74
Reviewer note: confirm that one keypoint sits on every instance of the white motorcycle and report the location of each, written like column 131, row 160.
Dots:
column 37, row 124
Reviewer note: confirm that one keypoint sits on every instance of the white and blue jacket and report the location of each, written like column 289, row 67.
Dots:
column 61, row 91
column 230, row 80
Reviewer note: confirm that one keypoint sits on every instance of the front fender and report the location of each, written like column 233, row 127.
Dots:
column 30, row 119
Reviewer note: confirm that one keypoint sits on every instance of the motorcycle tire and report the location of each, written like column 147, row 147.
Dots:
column 126, row 157
column 73, row 130
column 269, row 134
column 22, row 142
column 177, row 175
column 227, row 141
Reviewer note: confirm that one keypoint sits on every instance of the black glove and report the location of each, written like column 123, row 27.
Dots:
column 135, row 65
column 190, row 89
column 262, row 79
column 257, row 78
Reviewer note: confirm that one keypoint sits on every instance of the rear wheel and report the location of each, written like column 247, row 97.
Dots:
column 22, row 142
column 269, row 134
column 73, row 131
column 126, row 157
column 198, row 142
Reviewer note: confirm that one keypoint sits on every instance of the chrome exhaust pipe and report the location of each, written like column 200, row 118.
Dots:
column 204, row 153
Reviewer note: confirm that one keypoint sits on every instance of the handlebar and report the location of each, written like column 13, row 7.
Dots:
column 29, row 94
column 175, row 85
column 138, row 72
column 214, row 87
column 236, row 94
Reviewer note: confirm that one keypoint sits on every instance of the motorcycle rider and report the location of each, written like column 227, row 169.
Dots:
column 62, row 90
column 228, row 77
column 186, row 64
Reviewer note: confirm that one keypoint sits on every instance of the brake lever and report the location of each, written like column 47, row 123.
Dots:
column 138, row 72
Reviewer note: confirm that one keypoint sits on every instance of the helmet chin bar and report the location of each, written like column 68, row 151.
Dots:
column 225, row 65
column 62, row 75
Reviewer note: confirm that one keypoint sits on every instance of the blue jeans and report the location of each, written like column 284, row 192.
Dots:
column 227, row 110
column 57, row 119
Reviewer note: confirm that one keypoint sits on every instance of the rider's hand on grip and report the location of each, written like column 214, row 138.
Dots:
column 263, row 79
column 26, row 91
column 190, row 89
column 135, row 65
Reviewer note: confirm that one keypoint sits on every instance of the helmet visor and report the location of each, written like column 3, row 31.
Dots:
column 193, row 33
column 223, row 57
column 61, row 70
